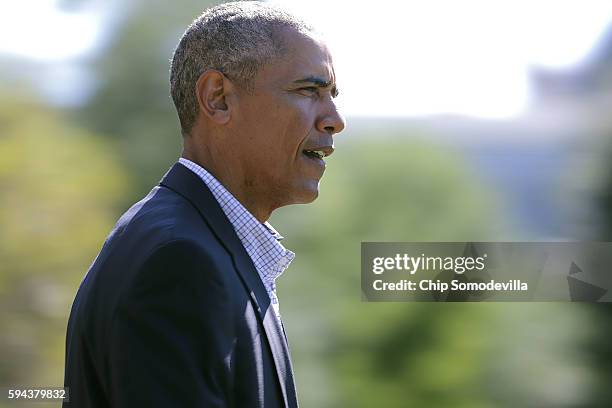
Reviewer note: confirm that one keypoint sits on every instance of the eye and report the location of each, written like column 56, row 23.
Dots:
column 309, row 90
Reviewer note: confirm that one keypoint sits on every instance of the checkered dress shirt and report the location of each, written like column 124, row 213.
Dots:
column 260, row 241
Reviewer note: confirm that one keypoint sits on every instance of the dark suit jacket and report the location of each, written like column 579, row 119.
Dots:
column 172, row 312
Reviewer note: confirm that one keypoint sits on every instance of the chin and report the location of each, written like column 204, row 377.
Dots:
column 303, row 198
column 306, row 195
column 302, row 193
column 313, row 196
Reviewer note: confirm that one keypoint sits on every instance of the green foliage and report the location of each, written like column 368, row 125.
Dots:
column 132, row 102
column 350, row 353
column 63, row 188
column 59, row 190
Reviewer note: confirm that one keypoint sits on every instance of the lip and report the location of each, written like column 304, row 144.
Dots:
column 313, row 160
column 328, row 150
column 315, row 163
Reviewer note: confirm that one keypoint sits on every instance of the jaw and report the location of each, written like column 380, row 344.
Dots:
column 309, row 196
column 305, row 192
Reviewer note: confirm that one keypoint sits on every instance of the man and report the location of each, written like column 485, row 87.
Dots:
column 179, row 309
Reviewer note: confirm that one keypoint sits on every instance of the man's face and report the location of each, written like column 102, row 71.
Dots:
column 286, row 121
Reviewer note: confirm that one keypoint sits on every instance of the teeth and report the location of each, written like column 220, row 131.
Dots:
column 319, row 153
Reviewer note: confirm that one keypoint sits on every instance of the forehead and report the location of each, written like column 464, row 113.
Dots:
column 305, row 56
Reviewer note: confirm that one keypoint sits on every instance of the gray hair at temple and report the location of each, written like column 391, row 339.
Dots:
column 236, row 39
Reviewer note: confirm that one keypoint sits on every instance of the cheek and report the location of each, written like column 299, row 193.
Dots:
column 296, row 123
column 279, row 130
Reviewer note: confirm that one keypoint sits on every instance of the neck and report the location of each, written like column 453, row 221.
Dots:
column 232, row 178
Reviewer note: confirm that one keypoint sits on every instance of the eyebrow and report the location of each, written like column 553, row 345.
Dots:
column 318, row 82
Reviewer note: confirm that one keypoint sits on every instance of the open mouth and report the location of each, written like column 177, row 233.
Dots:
column 314, row 154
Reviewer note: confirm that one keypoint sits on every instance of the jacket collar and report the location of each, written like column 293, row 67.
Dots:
column 186, row 183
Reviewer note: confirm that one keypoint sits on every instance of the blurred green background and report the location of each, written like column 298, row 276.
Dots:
column 69, row 166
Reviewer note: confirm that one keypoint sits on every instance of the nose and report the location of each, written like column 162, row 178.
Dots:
column 331, row 121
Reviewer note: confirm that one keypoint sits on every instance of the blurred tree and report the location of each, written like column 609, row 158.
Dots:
column 132, row 102
column 598, row 73
column 600, row 349
column 585, row 91
column 60, row 187
column 354, row 354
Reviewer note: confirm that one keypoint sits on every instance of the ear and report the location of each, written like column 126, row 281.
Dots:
column 212, row 89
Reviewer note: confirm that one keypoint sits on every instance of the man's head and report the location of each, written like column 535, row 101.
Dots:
column 254, row 88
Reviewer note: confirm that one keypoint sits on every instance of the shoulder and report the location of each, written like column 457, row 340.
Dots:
column 181, row 261
column 159, row 213
column 162, row 217
column 159, row 241
column 181, row 254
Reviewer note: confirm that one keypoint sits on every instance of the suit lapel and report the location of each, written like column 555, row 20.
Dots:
column 186, row 183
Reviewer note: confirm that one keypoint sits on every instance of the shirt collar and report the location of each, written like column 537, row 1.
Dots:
column 261, row 241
